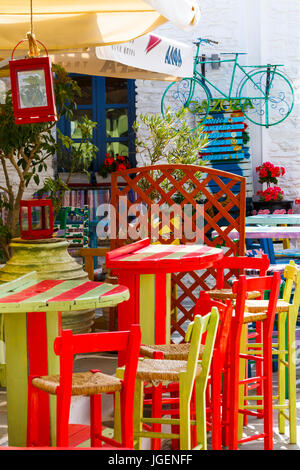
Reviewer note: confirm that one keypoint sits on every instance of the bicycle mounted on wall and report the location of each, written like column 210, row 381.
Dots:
column 264, row 95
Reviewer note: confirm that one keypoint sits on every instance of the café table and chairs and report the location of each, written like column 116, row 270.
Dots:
column 265, row 235
column 288, row 220
column 32, row 320
column 146, row 270
column 32, row 309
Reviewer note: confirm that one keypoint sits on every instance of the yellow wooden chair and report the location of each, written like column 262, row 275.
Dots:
column 285, row 350
column 187, row 374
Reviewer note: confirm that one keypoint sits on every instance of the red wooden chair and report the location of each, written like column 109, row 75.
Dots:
column 92, row 383
column 236, row 265
column 180, row 351
column 266, row 320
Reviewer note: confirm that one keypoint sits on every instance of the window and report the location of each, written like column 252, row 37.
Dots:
column 111, row 103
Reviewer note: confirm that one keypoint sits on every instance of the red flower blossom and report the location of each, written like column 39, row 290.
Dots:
column 268, row 173
column 121, row 166
column 109, row 161
column 271, row 194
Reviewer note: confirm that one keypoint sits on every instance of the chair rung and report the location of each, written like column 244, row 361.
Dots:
column 161, row 421
column 251, row 357
column 251, row 438
column 285, row 363
column 251, row 379
column 284, row 414
column 245, row 411
column 152, row 435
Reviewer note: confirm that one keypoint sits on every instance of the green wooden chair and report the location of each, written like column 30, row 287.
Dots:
column 188, row 374
column 284, row 349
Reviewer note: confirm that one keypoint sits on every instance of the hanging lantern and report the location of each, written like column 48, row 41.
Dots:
column 36, row 219
column 32, row 86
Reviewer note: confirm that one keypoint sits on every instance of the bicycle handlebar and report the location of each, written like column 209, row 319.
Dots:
column 207, row 41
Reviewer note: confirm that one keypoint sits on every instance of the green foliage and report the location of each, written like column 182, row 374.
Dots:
column 169, row 140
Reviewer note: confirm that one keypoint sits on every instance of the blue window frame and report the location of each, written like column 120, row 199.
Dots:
column 111, row 103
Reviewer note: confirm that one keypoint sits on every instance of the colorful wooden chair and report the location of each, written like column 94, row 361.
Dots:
column 236, row 383
column 188, row 374
column 236, row 265
column 180, row 351
column 284, row 349
column 92, row 383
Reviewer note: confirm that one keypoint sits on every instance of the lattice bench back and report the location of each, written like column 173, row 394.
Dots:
column 166, row 185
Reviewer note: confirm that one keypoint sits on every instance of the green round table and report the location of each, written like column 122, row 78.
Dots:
column 32, row 320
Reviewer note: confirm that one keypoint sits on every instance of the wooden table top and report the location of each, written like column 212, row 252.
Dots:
column 265, row 232
column 162, row 257
column 273, row 219
column 28, row 294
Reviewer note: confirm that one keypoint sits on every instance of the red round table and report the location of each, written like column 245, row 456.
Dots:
column 146, row 270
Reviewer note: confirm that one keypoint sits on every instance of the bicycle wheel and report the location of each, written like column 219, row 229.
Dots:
column 190, row 94
column 271, row 104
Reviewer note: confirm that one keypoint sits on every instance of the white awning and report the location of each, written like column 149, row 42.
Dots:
column 78, row 24
column 150, row 57
column 153, row 53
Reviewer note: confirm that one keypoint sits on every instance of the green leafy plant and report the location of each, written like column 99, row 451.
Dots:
column 169, row 139
column 25, row 150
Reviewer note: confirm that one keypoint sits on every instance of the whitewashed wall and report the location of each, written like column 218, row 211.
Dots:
column 268, row 30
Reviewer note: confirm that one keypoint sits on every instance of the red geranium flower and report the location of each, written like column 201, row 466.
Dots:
column 121, row 166
column 268, row 173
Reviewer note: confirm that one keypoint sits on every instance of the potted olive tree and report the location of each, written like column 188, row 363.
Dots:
column 168, row 139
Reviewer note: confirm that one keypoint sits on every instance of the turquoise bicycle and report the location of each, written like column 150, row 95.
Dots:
column 264, row 95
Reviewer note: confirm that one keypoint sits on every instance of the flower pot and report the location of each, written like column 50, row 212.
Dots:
column 272, row 206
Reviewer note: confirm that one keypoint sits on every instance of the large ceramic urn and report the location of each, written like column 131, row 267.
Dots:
column 51, row 260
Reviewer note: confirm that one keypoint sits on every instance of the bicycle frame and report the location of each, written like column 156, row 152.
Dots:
column 271, row 100
column 236, row 65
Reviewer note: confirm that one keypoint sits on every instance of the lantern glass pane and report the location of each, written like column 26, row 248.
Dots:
column 24, row 216
column 45, row 217
column 32, row 88
column 36, row 218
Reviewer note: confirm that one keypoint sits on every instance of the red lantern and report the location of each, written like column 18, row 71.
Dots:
column 32, row 90
column 36, row 219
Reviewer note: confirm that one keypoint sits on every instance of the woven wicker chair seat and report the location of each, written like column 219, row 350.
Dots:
column 170, row 351
column 83, row 383
column 254, row 316
column 161, row 370
column 223, row 294
column 262, row 305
